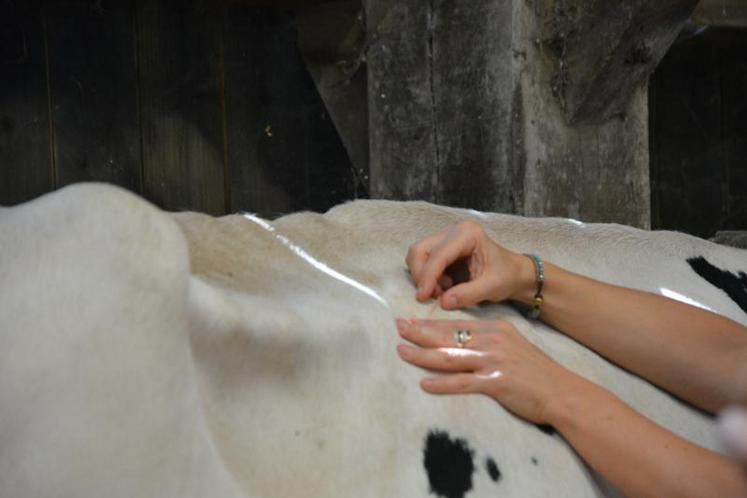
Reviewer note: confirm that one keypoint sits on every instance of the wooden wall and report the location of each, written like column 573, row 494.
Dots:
column 193, row 104
column 698, row 113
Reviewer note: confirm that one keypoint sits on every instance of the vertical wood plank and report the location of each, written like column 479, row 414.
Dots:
column 93, row 86
column 734, row 83
column 180, row 62
column 473, row 98
column 267, row 170
column 332, row 179
column 690, row 153
column 25, row 164
column 402, row 133
column 284, row 153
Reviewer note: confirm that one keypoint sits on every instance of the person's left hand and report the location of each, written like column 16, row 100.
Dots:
column 497, row 362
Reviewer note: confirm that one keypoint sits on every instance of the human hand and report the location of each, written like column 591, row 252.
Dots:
column 497, row 362
column 494, row 273
column 732, row 423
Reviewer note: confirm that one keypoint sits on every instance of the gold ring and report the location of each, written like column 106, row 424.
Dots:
column 462, row 337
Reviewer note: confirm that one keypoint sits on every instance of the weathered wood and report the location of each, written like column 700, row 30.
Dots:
column 25, row 164
column 332, row 40
column 595, row 173
column 440, row 103
column 734, row 83
column 699, row 135
column 402, row 133
column 181, row 104
column 472, row 97
column 733, row 238
column 266, row 174
column 93, row 86
column 723, row 13
column 499, row 140
column 330, row 171
column 605, row 51
column 284, row 154
column 685, row 142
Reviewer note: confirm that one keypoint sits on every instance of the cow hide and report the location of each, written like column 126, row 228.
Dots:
column 144, row 353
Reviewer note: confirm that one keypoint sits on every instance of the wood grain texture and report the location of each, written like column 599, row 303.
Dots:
column 604, row 52
column 723, row 13
column 25, row 163
column 473, row 105
column 332, row 39
column 267, row 173
column 180, row 61
column 402, row 133
column 284, row 154
column 699, row 130
column 593, row 173
column 734, row 83
column 93, row 84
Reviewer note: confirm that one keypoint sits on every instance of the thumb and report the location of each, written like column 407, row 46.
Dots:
column 733, row 427
column 467, row 294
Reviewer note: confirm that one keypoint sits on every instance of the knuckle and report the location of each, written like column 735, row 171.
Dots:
column 462, row 384
column 413, row 251
column 504, row 326
column 494, row 338
column 470, row 226
column 466, row 226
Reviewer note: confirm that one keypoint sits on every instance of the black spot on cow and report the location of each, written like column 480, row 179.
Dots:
column 734, row 285
column 546, row 428
column 449, row 464
column 493, row 471
column 535, row 461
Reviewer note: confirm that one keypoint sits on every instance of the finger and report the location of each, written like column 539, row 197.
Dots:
column 436, row 333
column 418, row 253
column 467, row 294
column 441, row 256
column 733, row 427
column 461, row 383
column 445, row 282
column 442, row 359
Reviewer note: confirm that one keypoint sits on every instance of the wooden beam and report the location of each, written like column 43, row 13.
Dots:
column 603, row 51
column 93, row 88
column 26, row 169
column 721, row 13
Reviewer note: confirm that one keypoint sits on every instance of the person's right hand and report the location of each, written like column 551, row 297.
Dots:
column 494, row 273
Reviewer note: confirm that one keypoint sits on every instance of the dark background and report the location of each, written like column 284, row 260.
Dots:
column 208, row 106
column 698, row 135
column 194, row 105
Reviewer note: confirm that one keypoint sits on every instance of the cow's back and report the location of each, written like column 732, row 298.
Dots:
column 323, row 391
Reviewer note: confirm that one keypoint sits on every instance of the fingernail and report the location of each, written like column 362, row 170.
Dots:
column 404, row 351
column 451, row 302
column 426, row 382
column 401, row 324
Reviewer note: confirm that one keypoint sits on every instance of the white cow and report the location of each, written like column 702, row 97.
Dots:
column 146, row 354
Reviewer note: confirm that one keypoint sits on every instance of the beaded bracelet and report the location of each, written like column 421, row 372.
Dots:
column 539, row 268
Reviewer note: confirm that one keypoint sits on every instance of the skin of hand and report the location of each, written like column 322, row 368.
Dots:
column 495, row 273
column 691, row 352
column 498, row 362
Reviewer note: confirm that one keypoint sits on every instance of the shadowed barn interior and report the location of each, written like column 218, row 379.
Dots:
column 221, row 107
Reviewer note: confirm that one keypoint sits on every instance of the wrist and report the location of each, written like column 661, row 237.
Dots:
column 527, row 280
column 576, row 398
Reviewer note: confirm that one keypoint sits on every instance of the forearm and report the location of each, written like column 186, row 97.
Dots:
column 638, row 457
column 688, row 351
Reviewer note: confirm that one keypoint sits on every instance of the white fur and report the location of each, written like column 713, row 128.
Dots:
column 148, row 354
